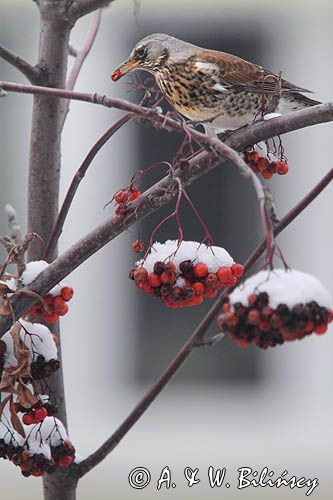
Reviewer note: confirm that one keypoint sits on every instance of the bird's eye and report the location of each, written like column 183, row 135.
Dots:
column 140, row 52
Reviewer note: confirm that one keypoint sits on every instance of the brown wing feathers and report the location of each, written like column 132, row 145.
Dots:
column 235, row 72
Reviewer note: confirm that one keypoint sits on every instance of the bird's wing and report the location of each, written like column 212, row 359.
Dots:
column 230, row 70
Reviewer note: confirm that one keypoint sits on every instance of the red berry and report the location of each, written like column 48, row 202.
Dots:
column 58, row 302
column 320, row 329
column 165, row 278
column 237, row 270
column 60, row 306
column 253, row 317
column 28, row 418
column 267, row 312
column 51, row 318
column 200, row 270
column 65, row 461
column 134, row 195
column 154, row 280
column 210, row 293
column 309, row 327
column 196, row 300
column 146, row 288
column 198, row 288
column 121, row 197
column 231, row 319
column 141, row 275
column 67, row 293
column 281, row 168
column 170, row 266
column 267, row 174
column 40, row 414
column 138, row 246
column 263, row 164
column 251, row 299
column 227, row 307
column 224, row 274
column 115, row 220
column 241, row 342
column 252, row 156
column 264, row 326
column 211, row 280
column 275, row 321
column 37, row 473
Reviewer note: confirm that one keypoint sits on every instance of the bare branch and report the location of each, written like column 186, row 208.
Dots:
column 108, row 230
column 83, row 53
column 78, row 178
column 81, row 8
column 239, row 140
column 80, row 57
column 29, row 71
column 195, row 339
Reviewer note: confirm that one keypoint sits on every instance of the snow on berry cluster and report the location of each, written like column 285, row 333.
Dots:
column 273, row 307
column 56, row 299
column 45, row 448
column 30, row 435
column 264, row 163
column 42, row 344
column 122, row 198
column 185, row 274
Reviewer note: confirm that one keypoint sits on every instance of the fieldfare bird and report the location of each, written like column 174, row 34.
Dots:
column 218, row 90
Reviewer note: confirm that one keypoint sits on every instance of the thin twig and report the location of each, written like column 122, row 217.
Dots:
column 195, row 339
column 77, row 179
column 29, row 71
column 81, row 56
column 83, row 53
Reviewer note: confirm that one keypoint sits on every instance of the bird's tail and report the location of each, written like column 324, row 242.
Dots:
column 294, row 101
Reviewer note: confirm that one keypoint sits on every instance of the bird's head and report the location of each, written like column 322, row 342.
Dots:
column 152, row 52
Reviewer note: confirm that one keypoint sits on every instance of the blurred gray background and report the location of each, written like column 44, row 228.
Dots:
column 227, row 407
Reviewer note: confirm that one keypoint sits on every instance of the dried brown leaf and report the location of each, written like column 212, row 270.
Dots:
column 16, row 422
column 25, row 396
column 6, row 383
column 3, row 404
column 4, row 289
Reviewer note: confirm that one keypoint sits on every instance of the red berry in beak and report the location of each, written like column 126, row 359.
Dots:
column 116, row 75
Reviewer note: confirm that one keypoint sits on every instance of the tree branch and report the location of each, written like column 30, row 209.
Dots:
column 80, row 57
column 109, row 445
column 30, row 72
column 57, row 230
column 82, row 7
column 239, row 139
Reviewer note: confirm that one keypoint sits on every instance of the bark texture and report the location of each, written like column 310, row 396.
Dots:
column 44, row 175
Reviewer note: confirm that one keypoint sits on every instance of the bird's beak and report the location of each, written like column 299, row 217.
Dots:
column 125, row 67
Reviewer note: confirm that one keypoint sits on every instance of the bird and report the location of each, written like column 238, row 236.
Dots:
column 218, row 90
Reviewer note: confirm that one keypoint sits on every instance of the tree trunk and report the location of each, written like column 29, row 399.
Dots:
column 59, row 486
column 44, row 174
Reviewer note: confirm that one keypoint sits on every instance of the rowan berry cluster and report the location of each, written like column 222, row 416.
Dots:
column 57, row 305
column 122, row 198
column 42, row 368
column 185, row 283
column 263, row 166
column 263, row 319
column 35, row 464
